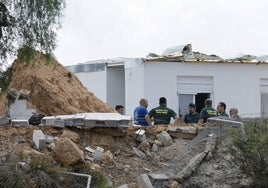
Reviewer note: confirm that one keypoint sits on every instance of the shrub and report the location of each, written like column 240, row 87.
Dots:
column 250, row 151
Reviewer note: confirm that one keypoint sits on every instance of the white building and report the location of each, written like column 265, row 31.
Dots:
column 182, row 78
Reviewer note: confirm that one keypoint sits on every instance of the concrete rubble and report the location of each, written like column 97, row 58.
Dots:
column 66, row 152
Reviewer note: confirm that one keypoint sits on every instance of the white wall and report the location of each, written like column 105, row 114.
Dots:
column 115, row 86
column 235, row 84
column 95, row 82
column 238, row 85
column 134, row 88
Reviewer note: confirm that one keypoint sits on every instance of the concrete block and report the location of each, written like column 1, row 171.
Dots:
column 140, row 135
column 48, row 120
column 58, row 123
column 19, row 123
column 144, row 181
column 49, row 139
column 98, row 153
column 90, row 123
column 94, row 123
column 39, row 139
column 68, row 122
column 124, row 123
column 89, row 149
column 139, row 152
column 78, row 122
column 111, row 123
column 158, row 180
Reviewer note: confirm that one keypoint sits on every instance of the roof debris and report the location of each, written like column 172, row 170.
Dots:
column 184, row 53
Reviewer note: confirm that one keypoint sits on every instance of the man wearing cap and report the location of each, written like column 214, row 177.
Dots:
column 192, row 116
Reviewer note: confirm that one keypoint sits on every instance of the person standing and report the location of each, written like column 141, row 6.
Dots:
column 192, row 116
column 140, row 112
column 161, row 114
column 120, row 109
column 221, row 109
column 234, row 114
column 207, row 112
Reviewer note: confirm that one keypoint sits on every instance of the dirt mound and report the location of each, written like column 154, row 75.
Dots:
column 52, row 88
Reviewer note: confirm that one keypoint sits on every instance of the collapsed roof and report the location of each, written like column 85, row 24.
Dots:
column 184, row 53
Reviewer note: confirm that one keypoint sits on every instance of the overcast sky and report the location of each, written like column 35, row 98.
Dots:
column 102, row 29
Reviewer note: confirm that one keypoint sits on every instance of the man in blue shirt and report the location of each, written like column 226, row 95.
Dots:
column 140, row 113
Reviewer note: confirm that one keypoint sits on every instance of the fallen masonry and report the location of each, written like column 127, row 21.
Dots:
column 181, row 166
column 88, row 120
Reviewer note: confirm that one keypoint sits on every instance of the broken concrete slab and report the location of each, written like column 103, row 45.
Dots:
column 89, row 120
column 138, row 152
column 19, row 110
column 68, row 120
column 144, row 181
column 79, row 120
column 58, row 123
column 49, row 139
column 185, row 132
column 19, row 123
column 89, row 149
column 191, row 167
column 158, row 180
column 107, row 120
column 48, row 120
column 140, row 135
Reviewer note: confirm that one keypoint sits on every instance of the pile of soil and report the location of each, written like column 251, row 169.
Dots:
column 53, row 90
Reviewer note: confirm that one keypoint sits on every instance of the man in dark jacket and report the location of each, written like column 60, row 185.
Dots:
column 161, row 114
column 207, row 112
column 192, row 116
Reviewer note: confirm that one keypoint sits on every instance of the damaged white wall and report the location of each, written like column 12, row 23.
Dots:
column 236, row 84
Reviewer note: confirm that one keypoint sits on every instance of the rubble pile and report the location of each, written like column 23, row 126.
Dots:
column 138, row 155
column 51, row 88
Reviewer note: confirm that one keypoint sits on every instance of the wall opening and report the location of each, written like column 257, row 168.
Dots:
column 200, row 100
column 193, row 89
column 186, row 99
column 116, row 85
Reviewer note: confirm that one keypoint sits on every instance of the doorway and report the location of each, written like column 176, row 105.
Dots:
column 116, row 85
column 200, row 100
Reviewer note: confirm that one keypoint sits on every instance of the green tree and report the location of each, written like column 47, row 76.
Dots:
column 29, row 24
